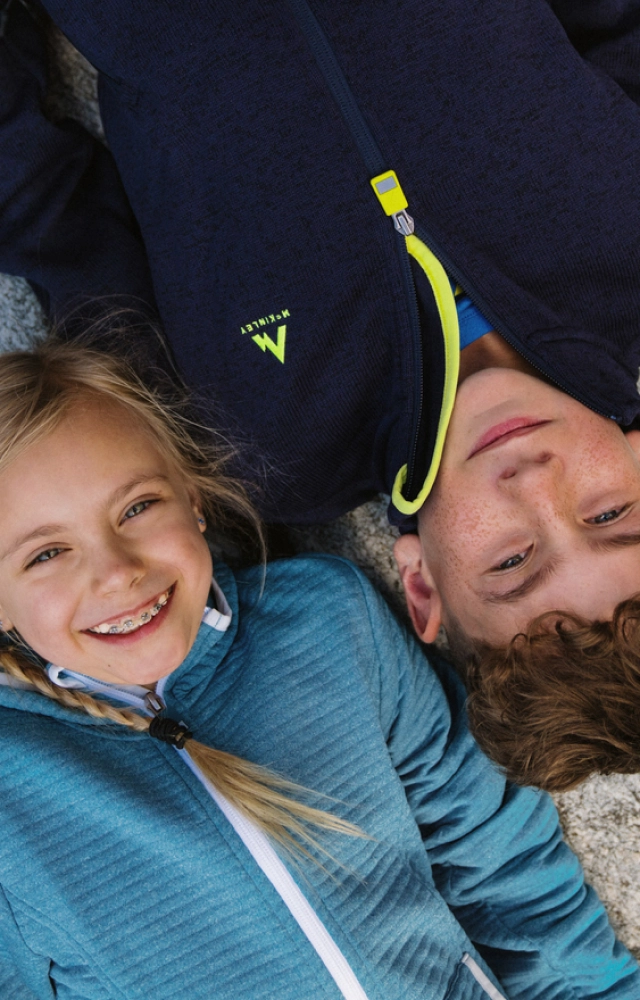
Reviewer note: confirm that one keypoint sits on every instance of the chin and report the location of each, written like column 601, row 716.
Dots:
column 148, row 676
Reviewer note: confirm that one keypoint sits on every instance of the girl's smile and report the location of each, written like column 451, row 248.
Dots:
column 103, row 565
column 128, row 626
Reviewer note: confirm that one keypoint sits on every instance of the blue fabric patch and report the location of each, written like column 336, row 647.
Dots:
column 472, row 323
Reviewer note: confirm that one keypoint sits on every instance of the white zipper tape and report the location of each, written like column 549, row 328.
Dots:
column 480, row 978
column 296, row 902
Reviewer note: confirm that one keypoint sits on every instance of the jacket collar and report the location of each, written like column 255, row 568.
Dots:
column 213, row 640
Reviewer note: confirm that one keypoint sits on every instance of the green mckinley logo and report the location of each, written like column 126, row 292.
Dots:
column 264, row 340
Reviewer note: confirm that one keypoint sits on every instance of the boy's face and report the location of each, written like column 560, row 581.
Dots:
column 536, row 507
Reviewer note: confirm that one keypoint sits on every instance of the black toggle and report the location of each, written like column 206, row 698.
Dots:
column 169, row 731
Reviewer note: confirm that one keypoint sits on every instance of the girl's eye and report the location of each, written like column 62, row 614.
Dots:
column 513, row 561
column 137, row 508
column 45, row 556
column 607, row 516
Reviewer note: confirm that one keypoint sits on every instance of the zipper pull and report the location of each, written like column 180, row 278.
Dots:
column 403, row 222
column 387, row 190
column 154, row 703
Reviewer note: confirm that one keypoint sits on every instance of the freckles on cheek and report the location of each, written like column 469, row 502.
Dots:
column 469, row 526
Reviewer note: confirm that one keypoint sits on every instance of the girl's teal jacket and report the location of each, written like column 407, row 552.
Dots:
column 121, row 879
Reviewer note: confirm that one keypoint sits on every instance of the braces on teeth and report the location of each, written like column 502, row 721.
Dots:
column 131, row 624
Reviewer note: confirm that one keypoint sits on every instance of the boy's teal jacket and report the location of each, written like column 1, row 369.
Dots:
column 121, row 879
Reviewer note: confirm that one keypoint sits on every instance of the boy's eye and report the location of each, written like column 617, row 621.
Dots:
column 513, row 561
column 608, row 515
column 45, row 556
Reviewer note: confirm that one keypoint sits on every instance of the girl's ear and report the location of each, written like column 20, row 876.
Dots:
column 196, row 507
column 5, row 623
column 422, row 596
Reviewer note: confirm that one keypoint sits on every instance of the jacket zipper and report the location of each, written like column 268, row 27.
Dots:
column 414, row 320
column 254, row 839
column 409, row 495
column 406, row 228
column 454, row 272
column 340, row 90
column 375, row 165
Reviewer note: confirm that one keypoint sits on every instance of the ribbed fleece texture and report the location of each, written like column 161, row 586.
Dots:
column 121, row 879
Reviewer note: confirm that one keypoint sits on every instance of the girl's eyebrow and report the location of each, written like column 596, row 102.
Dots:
column 52, row 529
column 41, row 532
column 121, row 492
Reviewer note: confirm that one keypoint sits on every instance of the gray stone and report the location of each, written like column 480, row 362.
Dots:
column 21, row 318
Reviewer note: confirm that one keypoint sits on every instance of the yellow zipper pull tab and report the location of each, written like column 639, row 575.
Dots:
column 392, row 198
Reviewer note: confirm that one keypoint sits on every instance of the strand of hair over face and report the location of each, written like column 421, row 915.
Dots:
column 38, row 389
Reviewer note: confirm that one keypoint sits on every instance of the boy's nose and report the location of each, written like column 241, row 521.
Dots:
column 526, row 466
column 538, row 480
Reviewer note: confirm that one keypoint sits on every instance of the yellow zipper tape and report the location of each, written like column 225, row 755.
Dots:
column 441, row 287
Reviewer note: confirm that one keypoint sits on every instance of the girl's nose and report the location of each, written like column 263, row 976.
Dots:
column 117, row 568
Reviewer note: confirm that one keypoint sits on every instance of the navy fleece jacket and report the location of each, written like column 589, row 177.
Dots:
column 237, row 195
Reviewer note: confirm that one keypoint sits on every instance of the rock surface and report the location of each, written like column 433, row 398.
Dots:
column 601, row 819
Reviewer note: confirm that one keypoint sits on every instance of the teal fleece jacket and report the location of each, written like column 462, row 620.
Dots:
column 121, row 879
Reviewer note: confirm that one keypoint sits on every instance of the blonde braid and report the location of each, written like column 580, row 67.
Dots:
column 261, row 795
column 16, row 665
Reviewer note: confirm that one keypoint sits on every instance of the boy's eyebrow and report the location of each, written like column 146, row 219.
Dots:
column 598, row 544
column 54, row 529
column 526, row 587
column 620, row 540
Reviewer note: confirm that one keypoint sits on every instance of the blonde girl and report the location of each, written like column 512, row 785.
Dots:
column 246, row 784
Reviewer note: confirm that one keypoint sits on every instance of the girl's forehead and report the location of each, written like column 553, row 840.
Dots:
column 95, row 446
column 100, row 422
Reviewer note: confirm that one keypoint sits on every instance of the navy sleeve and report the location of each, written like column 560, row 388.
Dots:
column 65, row 222
column 607, row 34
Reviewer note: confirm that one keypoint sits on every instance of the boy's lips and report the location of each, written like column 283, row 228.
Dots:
column 504, row 431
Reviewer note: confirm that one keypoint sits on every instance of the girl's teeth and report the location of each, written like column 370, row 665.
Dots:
column 129, row 625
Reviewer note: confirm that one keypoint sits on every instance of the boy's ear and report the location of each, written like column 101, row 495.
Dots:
column 422, row 595
column 633, row 438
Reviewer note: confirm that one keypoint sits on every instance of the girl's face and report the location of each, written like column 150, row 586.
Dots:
column 103, row 565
